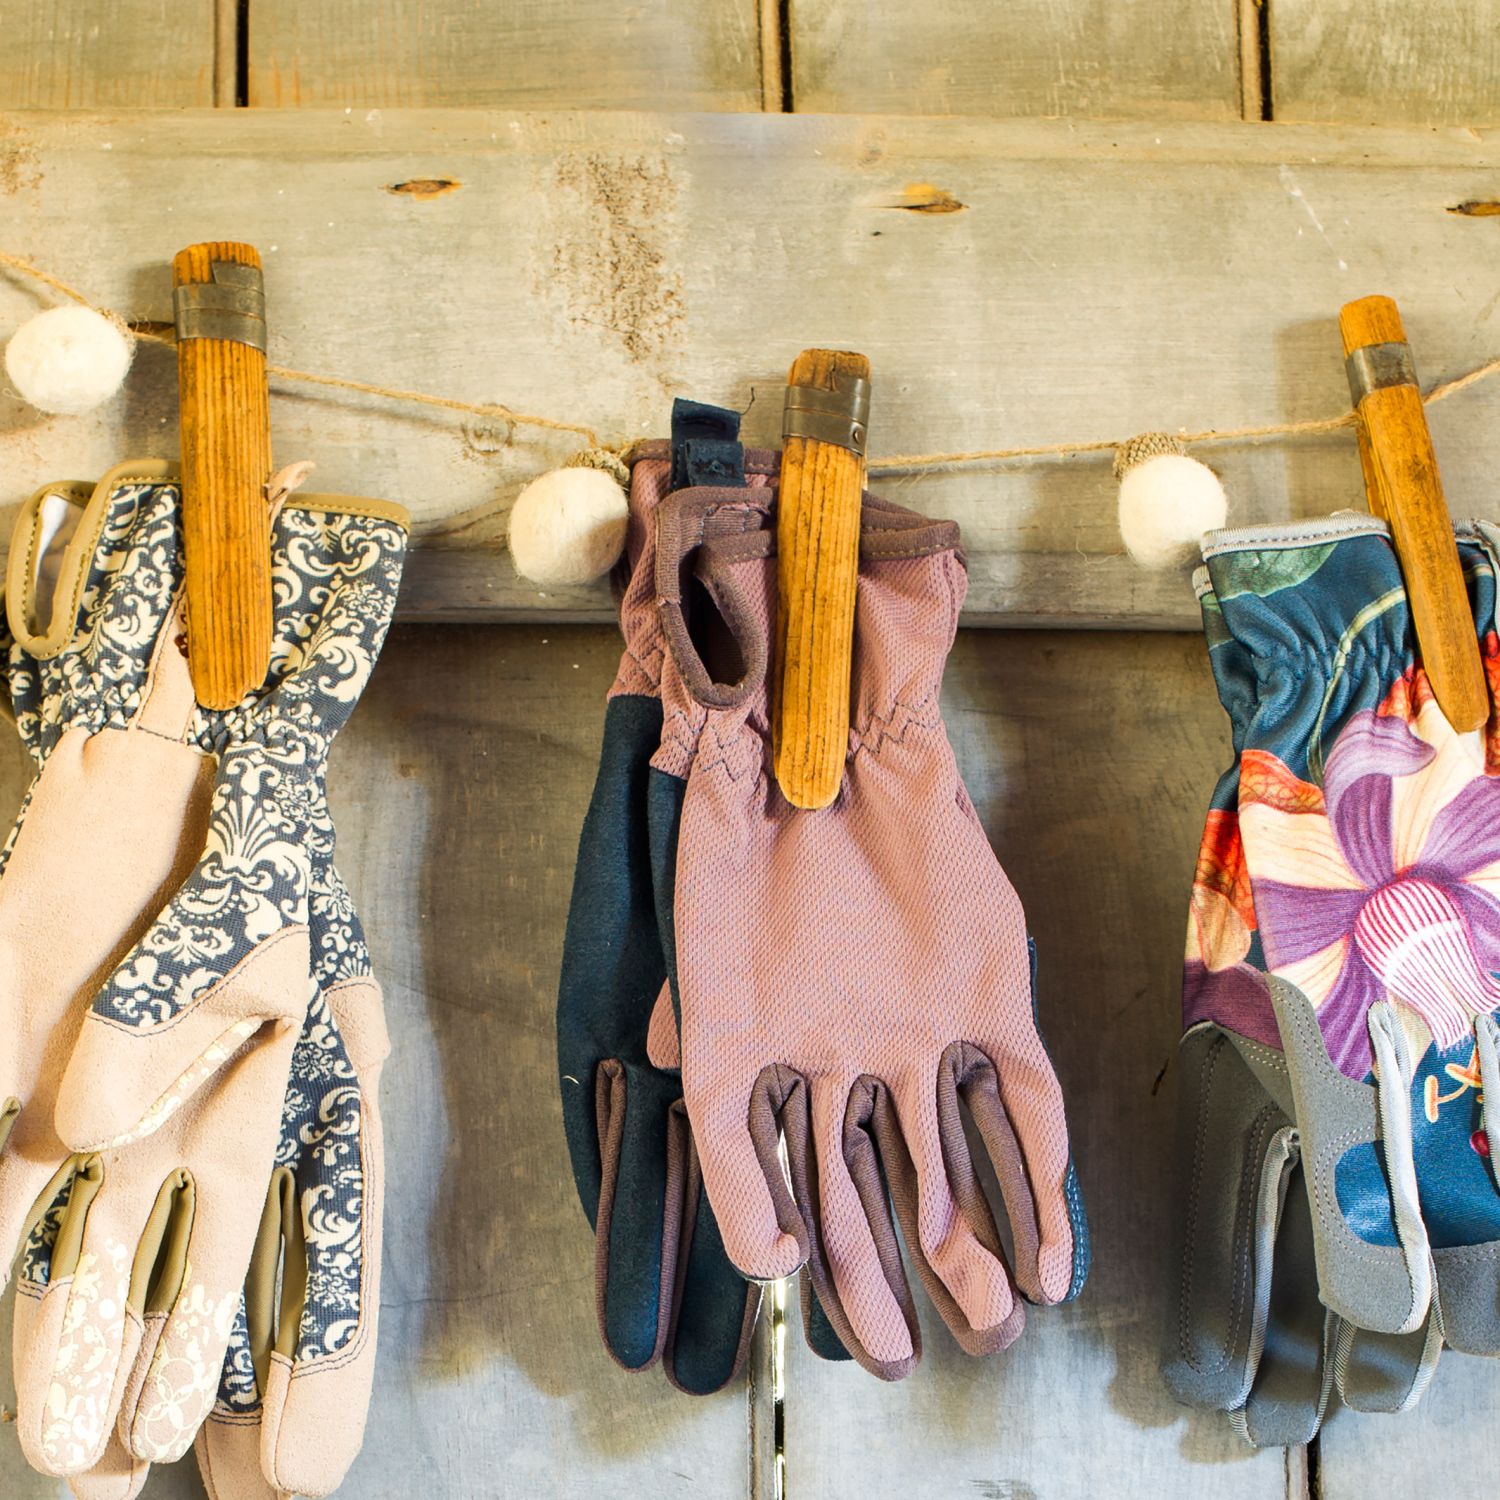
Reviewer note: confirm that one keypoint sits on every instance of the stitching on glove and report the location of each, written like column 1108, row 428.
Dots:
column 872, row 735
column 293, row 929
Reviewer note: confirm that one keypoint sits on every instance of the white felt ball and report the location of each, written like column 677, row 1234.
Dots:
column 568, row 526
column 1166, row 504
column 68, row 360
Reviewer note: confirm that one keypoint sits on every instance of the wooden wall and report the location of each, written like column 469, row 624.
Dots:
column 1181, row 266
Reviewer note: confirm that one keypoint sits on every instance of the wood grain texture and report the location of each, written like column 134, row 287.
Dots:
column 1453, row 1429
column 458, row 790
column 1097, row 281
column 817, row 569
column 225, row 425
column 1090, row 761
column 1395, row 449
column 1386, row 62
column 1172, row 59
column 527, row 54
column 108, row 54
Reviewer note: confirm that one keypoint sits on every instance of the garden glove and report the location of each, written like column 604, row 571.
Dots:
column 1250, row 1337
column 290, row 1415
column 152, row 1042
column 295, row 1385
column 847, row 978
column 663, row 1286
column 1338, row 993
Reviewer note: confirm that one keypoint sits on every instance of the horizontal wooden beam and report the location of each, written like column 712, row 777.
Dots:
column 1084, row 280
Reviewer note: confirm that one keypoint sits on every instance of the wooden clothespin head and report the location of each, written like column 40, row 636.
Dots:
column 218, row 302
column 1401, row 479
column 817, row 538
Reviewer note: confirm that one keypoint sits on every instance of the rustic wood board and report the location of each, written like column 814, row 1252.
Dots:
column 459, row 790
column 1099, row 280
column 1386, row 62
column 111, row 54
column 1453, row 1430
column 528, row 54
column 1175, row 59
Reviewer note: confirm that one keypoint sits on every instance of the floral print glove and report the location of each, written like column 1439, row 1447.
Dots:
column 1339, row 995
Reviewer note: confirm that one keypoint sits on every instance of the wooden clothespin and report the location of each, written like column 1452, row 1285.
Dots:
column 1401, row 480
column 218, row 302
column 817, row 538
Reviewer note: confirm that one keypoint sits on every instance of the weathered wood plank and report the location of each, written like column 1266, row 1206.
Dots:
column 1090, row 761
column 1453, row 1429
column 526, row 54
column 1173, row 60
column 109, row 54
column 459, row 789
column 1098, row 280
column 1386, row 62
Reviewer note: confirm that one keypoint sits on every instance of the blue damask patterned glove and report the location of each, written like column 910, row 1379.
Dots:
column 169, row 853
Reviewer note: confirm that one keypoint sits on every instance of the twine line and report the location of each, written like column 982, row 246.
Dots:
column 890, row 464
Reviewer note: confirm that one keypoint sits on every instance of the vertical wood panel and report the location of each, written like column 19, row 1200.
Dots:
column 650, row 54
column 107, row 54
column 1450, row 1442
column 1171, row 59
column 1386, row 62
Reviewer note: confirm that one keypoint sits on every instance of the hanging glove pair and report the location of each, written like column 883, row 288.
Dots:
column 844, row 982
column 194, row 1033
column 1340, row 1218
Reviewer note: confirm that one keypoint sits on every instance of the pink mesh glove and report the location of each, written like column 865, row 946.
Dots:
column 849, row 977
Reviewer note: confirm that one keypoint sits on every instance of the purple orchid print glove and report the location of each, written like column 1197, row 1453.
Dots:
column 1339, row 997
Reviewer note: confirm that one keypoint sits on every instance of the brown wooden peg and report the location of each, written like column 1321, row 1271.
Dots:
column 1401, row 476
column 218, row 301
column 817, row 539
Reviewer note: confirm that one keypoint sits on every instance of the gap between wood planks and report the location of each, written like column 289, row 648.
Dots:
column 776, row 56
column 1257, row 93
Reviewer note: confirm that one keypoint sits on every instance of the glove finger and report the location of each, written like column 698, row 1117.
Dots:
column 75, row 1338
column 1386, row 1373
column 982, row 1094
column 28, row 1166
column 1468, row 1291
column 632, row 1273
column 1381, row 1279
column 825, row 1324
column 739, row 1145
column 1294, row 1373
column 228, row 1454
column 1468, row 1285
column 1235, row 1150
column 301, row 1363
column 945, row 1219
column 857, row 1233
column 818, row 1326
column 1032, row 1103
column 712, row 1307
column 117, row 1475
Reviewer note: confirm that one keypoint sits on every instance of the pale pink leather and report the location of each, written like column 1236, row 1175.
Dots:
column 849, row 974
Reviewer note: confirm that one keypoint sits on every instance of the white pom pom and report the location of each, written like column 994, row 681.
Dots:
column 568, row 525
column 1167, row 500
column 68, row 360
